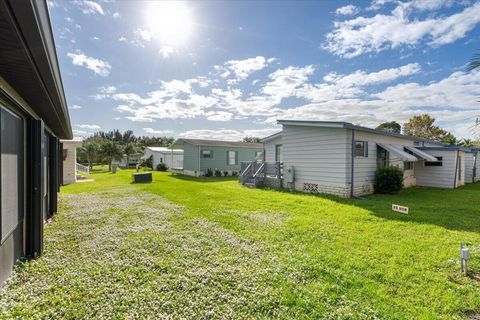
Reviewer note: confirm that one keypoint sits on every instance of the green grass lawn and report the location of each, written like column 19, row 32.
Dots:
column 183, row 247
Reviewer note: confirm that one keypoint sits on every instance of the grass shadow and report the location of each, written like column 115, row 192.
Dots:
column 203, row 179
column 453, row 209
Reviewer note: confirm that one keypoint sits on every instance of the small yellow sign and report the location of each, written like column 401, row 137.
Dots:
column 401, row 209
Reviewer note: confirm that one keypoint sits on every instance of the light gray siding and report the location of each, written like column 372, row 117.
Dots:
column 365, row 167
column 444, row 176
column 269, row 148
column 318, row 156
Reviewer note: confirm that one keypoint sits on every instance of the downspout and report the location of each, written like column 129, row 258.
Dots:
column 456, row 171
column 474, row 175
column 352, row 168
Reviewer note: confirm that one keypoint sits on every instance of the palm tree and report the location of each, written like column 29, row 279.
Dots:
column 128, row 150
column 91, row 150
column 111, row 151
column 474, row 62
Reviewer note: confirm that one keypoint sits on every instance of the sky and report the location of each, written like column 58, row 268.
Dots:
column 226, row 70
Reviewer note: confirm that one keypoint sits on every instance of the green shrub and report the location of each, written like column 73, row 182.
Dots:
column 162, row 167
column 388, row 180
column 234, row 173
column 209, row 173
column 218, row 173
column 225, row 173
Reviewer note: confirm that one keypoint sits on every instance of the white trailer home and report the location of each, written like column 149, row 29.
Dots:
column 341, row 158
column 173, row 158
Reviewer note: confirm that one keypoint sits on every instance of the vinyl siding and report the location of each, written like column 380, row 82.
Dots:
column 365, row 168
column 441, row 177
column 219, row 159
column 190, row 157
column 70, row 162
column 269, row 148
column 318, row 155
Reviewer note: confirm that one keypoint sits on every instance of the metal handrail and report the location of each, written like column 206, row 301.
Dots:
column 246, row 169
column 259, row 170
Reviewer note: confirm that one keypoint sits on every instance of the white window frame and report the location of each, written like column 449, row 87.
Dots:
column 235, row 158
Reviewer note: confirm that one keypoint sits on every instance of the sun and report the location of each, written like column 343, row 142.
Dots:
column 169, row 21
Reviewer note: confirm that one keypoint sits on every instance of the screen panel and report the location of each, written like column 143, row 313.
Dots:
column 12, row 171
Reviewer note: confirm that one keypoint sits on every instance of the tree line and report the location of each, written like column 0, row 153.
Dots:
column 106, row 147
column 423, row 126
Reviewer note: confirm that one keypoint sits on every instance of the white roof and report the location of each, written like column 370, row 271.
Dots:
column 164, row 149
column 421, row 154
column 399, row 152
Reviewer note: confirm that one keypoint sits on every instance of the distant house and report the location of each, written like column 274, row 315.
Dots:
column 70, row 165
column 173, row 158
column 341, row 158
column 132, row 160
column 201, row 155
column 34, row 115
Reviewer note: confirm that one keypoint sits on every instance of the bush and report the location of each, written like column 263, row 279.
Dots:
column 162, row 167
column 209, row 173
column 234, row 173
column 225, row 173
column 388, row 180
column 218, row 173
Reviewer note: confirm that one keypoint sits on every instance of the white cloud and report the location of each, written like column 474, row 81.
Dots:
column 107, row 89
column 449, row 100
column 89, row 7
column 100, row 67
column 75, row 107
column 122, row 39
column 116, row 15
column 243, row 68
column 158, row 132
column 95, row 38
column 347, row 10
column 144, row 34
column 362, row 35
column 166, row 51
column 88, row 126
column 228, row 134
column 219, row 116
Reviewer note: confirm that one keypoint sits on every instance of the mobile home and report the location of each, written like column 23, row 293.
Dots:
column 341, row 158
column 226, row 156
column 172, row 158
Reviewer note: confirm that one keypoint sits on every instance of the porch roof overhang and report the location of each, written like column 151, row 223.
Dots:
column 405, row 156
column 28, row 63
column 421, row 154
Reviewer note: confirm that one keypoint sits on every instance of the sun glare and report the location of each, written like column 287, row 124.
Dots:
column 169, row 21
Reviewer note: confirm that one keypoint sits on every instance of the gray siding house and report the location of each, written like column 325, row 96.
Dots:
column 472, row 165
column 34, row 115
column 341, row 158
column 201, row 155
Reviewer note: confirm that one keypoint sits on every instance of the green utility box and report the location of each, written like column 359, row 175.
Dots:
column 142, row 177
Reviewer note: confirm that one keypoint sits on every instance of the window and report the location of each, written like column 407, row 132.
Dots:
column 232, row 158
column 438, row 163
column 408, row 165
column 279, row 153
column 382, row 157
column 361, row 149
column 207, row 154
column 259, row 156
